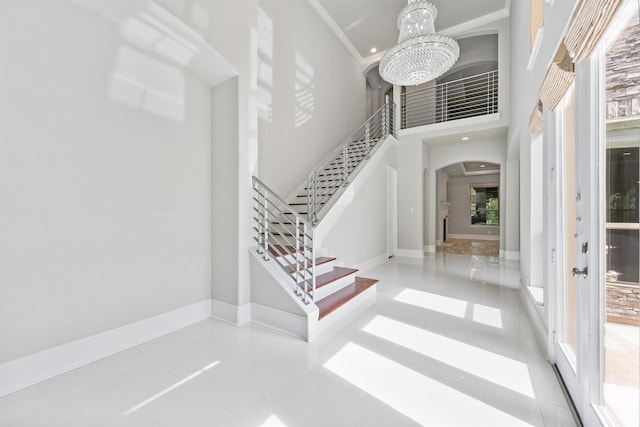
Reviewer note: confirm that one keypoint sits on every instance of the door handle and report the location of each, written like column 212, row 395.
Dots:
column 576, row 272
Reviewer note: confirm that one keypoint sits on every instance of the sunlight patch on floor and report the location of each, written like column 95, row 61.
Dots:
column 412, row 394
column 489, row 316
column 169, row 389
column 486, row 315
column 441, row 304
column 490, row 366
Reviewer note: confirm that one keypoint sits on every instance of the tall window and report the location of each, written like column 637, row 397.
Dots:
column 485, row 206
column 621, row 390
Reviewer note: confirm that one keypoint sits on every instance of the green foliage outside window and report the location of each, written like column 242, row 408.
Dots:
column 485, row 206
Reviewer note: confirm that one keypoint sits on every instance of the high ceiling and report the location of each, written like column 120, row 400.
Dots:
column 368, row 24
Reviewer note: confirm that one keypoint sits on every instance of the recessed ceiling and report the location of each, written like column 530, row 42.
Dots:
column 471, row 168
column 371, row 24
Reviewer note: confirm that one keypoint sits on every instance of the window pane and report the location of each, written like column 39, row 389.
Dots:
column 622, row 255
column 485, row 206
column 622, row 184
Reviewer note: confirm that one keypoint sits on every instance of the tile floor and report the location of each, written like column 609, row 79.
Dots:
column 444, row 345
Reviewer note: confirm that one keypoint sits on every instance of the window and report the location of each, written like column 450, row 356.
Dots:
column 485, row 206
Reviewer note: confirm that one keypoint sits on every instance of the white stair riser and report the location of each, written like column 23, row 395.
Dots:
column 334, row 286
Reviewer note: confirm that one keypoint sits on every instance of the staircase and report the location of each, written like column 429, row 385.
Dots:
column 284, row 233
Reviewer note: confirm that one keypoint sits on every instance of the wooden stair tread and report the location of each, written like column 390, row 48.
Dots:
column 332, row 276
column 319, row 261
column 279, row 250
column 338, row 299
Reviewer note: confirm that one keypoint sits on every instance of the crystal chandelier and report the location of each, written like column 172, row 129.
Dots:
column 421, row 54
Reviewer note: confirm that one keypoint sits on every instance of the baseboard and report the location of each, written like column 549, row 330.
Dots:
column 430, row 249
column 237, row 315
column 372, row 263
column 411, row 253
column 538, row 325
column 25, row 371
column 473, row 236
column 289, row 323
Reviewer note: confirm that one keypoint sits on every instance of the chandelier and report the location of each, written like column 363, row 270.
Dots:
column 421, row 54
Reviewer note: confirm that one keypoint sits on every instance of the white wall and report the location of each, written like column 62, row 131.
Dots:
column 231, row 28
column 311, row 92
column 359, row 235
column 106, row 179
column 459, row 197
column 410, row 196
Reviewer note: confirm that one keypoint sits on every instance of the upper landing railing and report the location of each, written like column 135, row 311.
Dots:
column 469, row 97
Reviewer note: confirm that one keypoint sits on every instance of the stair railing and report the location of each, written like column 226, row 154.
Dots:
column 284, row 235
column 325, row 180
column 458, row 99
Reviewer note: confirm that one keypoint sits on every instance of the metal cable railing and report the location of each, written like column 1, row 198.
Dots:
column 334, row 171
column 469, row 97
column 284, row 235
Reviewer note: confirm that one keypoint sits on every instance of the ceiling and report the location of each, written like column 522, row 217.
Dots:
column 367, row 24
column 471, row 168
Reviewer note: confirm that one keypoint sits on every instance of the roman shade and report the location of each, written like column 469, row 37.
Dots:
column 536, row 121
column 558, row 79
column 590, row 20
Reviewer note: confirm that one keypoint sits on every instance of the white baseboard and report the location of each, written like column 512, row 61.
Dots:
column 411, row 253
column 430, row 249
column 372, row 263
column 474, row 236
column 25, row 371
column 290, row 323
column 237, row 315
column 537, row 322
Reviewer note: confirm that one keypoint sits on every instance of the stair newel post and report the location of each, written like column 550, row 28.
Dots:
column 345, row 165
column 313, row 261
column 265, row 228
column 367, row 139
column 308, row 266
column 298, row 262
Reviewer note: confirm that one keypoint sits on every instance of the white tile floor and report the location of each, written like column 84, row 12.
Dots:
column 444, row 345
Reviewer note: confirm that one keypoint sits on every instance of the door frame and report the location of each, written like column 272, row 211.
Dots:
column 586, row 387
column 392, row 211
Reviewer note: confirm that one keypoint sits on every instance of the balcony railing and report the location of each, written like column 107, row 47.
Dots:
column 469, row 97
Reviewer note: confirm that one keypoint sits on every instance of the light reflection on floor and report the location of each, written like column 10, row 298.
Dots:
column 398, row 364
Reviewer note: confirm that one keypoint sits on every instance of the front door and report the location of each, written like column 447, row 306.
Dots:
column 596, row 330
